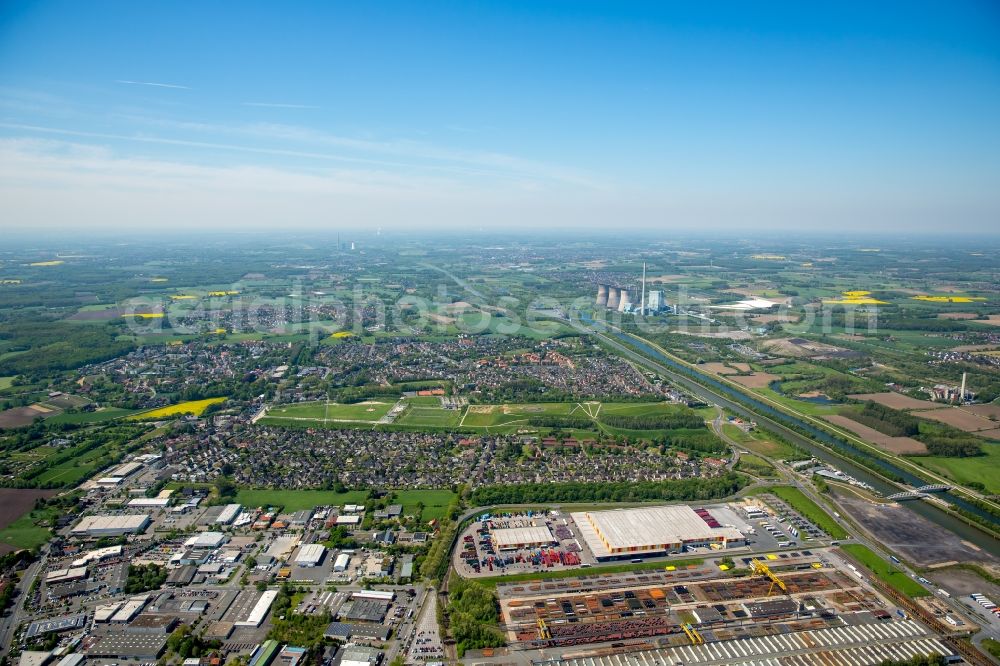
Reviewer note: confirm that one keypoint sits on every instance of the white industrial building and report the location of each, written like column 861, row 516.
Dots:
column 512, row 538
column 97, row 555
column 348, row 520
column 259, row 611
column 340, row 564
column 129, row 610
column 149, row 502
column 228, row 514
column 125, row 469
column 98, row 526
column 655, row 303
column 66, row 575
column 619, row 533
column 310, row 555
column 207, row 540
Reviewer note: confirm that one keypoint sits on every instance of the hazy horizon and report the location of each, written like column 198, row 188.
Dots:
column 579, row 117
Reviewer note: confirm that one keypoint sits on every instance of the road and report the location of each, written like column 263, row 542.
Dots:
column 17, row 614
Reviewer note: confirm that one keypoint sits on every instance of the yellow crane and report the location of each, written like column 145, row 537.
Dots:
column 761, row 569
column 543, row 630
column 692, row 634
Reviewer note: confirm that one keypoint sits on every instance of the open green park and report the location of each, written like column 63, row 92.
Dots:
column 585, row 418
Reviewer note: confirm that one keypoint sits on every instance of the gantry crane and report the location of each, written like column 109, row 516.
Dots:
column 762, row 569
column 543, row 630
column 692, row 634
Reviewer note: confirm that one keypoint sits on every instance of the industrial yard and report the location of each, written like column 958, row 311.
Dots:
column 802, row 607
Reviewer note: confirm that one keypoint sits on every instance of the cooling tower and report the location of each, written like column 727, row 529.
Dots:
column 613, row 294
column 624, row 301
column 602, row 295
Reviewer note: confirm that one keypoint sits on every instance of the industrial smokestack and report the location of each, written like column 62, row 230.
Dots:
column 961, row 395
column 613, row 295
column 602, row 295
column 624, row 301
column 642, row 296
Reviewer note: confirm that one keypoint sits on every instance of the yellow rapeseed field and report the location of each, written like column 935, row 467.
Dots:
column 195, row 407
column 158, row 279
column 949, row 299
column 223, row 293
column 145, row 315
column 339, row 335
column 54, row 262
column 855, row 297
column 182, row 297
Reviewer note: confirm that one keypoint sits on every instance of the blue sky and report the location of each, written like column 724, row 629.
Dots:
column 564, row 115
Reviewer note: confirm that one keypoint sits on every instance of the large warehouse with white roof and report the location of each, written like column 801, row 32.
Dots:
column 621, row 533
column 97, row 526
column 510, row 538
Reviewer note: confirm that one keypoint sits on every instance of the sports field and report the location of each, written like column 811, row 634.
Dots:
column 369, row 411
column 429, row 416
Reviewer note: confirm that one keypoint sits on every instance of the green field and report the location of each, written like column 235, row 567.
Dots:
column 22, row 533
column 492, row 581
column 369, row 411
column 805, row 506
column 755, row 465
column 757, row 442
column 427, row 412
column 435, row 502
column 488, row 416
column 106, row 414
column 296, row 500
column 984, row 469
column 885, row 571
column 6, row 382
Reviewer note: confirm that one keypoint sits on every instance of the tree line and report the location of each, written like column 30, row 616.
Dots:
column 615, row 491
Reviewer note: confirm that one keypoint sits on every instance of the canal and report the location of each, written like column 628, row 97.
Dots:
column 740, row 403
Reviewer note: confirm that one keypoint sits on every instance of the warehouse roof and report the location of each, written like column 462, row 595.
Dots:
column 130, row 523
column 511, row 537
column 647, row 528
column 310, row 553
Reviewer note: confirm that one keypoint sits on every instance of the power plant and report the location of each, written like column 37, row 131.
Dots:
column 623, row 299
